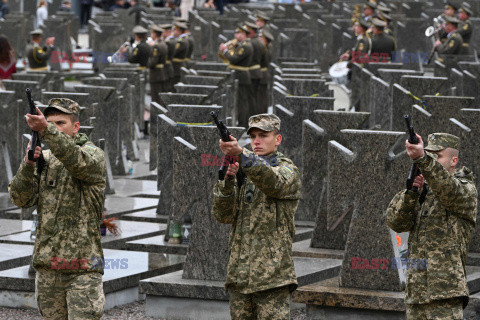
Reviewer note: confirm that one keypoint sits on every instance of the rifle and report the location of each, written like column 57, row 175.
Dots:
column 225, row 136
column 412, row 138
column 35, row 141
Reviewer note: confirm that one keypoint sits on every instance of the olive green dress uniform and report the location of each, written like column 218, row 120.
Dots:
column 465, row 29
column 170, row 42
column 262, row 94
column 255, row 74
column 140, row 54
column 453, row 44
column 191, row 46
column 69, row 195
column 239, row 60
column 440, row 226
column 262, row 214
column 179, row 57
column 362, row 47
column 38, row 57
column 156, row 65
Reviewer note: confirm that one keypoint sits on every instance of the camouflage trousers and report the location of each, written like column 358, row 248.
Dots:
column 69, row 296
column 448, row 309
column 273, row 304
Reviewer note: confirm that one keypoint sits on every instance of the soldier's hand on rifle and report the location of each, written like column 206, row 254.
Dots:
column 418, row 182
column 232, row 170
column 37, row 122
column 415, row 151
column 38, row 152
column 230, row 148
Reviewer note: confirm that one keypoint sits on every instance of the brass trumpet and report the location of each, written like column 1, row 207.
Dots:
column 232, row 44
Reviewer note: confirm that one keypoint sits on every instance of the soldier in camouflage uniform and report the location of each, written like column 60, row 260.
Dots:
column 260, row 272
column 440, row 217
column 68, row 191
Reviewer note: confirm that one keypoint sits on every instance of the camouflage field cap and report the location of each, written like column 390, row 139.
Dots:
column 440, row 141
column 64, row 105
column 265, row 121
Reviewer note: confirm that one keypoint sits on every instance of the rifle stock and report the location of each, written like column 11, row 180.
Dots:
column 412, row 138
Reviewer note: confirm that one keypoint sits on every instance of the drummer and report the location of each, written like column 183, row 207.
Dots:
column 361, row 50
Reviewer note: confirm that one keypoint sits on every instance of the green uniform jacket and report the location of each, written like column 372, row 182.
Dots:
column 262, row 216
column 69, row 195
column 440, row 231
column 362, row 46
column 191, row 44
column 140, row 54
column 453, row 44
column 37, row 56
column 465, row 29
column 180, row 54
column 240, row 59
column 265, row 64
column 156, row 62
column 258, row 49
column 170, row 42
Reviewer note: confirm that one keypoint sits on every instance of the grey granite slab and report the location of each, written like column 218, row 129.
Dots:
column 118, row 206
column 392, row 76
column 8, row 226
column 303, row 249
column 150, row 215
column 425, row 85
column 14, row 255
column 308, row 270
column 380, row 104
column 136, row 188
column 123, row 269
column 157, row 244
column 155, row 111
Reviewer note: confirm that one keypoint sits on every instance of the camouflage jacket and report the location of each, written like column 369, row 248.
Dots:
column 69, row 195
column 440, row 230
column 262, row 217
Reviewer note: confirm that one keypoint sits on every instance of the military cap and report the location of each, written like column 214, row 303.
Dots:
column 242, row 28
column 371, row 4
column 180, row 25
column 166, row 26
column 267, row 34
column 383, row 8
column 440, row 141
column 36, row 32
column 379, row 23
column 451, row 4
column 452, row 20
column 385, row 16
column 265, row 121
column 251, row 25
column 184, row 21
column 64, row 105
column 156, row 28
column 263, row 16
column 363, row 23
column 466, row 9
column 139, row 30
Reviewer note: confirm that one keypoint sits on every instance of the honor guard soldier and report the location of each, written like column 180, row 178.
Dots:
column 454, row 41
column 362, row 47
column 181, row 50
column 450, row 10
column 388, row 28
column 465, row 28
column 260, row 271
column 382, row 44
column 262, row 20
column 156, row 64
column 369, row 11
column 239, row 54
column 262, row 96
column 255, row 72
column 140, row 50
column 38, row 57
column 191, row 42
column 170, row 42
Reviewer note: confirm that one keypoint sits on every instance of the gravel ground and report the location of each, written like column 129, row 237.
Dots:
column 132, row 311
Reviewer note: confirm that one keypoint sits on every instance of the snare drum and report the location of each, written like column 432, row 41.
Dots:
column 339, row 72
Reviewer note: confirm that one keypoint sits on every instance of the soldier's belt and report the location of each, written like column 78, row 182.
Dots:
column 168, row 62
column 187, row 59
column 159, row 66
column 254, row 67
column 239, row 68
column 178, row 60
column 141, row 68
column 263, row 69
column 39, row 69
column 465, row 44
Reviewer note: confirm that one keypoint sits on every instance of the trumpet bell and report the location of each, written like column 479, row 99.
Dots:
column 430, row 31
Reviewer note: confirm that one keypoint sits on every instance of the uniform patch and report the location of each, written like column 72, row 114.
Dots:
column 177, row 46
column 155, row 52
column 240, row 52
column 135, row 51
column 465, row 27
column 451, row 44
column 360, row 46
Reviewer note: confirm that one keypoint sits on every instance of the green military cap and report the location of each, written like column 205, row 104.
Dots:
column 64, row 105
column 265, row 121
column 166, row 26
column 451, row 4
column 440, row 141
column 242, row 28
column 156, row 28
column 267, row 34
column 385, row 16
column 251, row 25
column 452, row 20
column 363, row 23
column 36, row 32
column 263, row 16
column 383, row 8
column 379, row 22
column 180, row 25
column 466, row 9
column 139, row 30
column 371, row 4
